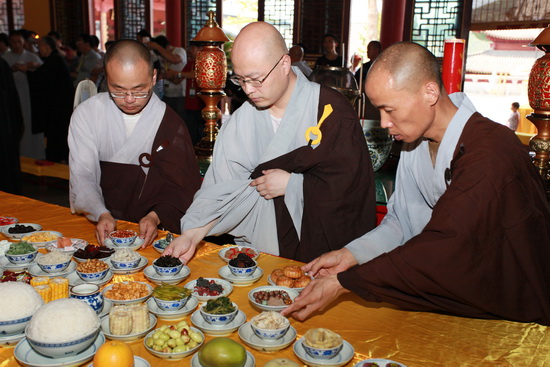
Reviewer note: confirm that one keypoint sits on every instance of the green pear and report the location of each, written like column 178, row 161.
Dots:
column 222, row 352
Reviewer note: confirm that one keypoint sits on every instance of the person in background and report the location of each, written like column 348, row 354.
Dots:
column 4, row 43
column 466, row 231
column 297, row 58
column 173, row 59
column 330, row 56
column 88, row 61
column 144, row 36
column 513, row 120
column 65, row 51
column 11, row 123
column 130, row 155
column 373, row 50
column 52, row 96
column 31, row 41
column 269, row 185
column 20, row 60
column 95, row 46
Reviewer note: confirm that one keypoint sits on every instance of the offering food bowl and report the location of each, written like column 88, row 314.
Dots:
column 322, row 353
column 11, row 327
column 123, row 237
column 269, row 334
column 55, row 268
column 219, row 320
column 23, row 258
column 242, row 272
column 125, row 264
column 98, row 275
column 167, row 271
column 63, row 349
column 171, row 305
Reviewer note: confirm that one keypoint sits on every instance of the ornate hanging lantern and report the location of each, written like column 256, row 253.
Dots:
column 539, row 100
column 210, row 73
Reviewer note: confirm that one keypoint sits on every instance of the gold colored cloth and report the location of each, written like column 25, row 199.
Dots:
column 374, row 330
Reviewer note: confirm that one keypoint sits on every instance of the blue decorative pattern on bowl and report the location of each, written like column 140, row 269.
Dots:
column 268, row 334
column 379, row 142
column 54, row 268
column 219, row 319
column 22, row 259
column 11, row 327
column 322, row 353
column 167, row 271
column 123, row 241
column 242, row 272
column 63, row 349
column 125, row 264
column 171, row 305
column 93, row 276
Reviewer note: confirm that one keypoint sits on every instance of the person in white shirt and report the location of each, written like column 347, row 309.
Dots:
column 513, row 120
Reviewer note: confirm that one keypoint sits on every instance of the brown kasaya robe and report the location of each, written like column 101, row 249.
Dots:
column 169, row 186
column 485, row 253
column 339, row 188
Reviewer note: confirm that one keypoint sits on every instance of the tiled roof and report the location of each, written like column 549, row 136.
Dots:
column 502, row 61
column 515, row 34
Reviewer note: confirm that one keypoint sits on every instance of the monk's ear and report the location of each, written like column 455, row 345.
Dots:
column 287, row 63
column 154, row 76
column 432, row 93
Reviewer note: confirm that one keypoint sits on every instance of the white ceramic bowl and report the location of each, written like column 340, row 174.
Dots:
column 223, row 252
column 63, row 349
column 128, row 301
column 22, row 259
column 123, row 241
column 125, row 264
column 98, row 275
column 171, row 305
column 322, row 353
column 242, row 272
column 55, row 268
column 268, row 288
column 167, row 271
column 45, row 243
column 270, row 334
column 173, row 356
column 219, row 320
column 16, row 236
column 11, row 327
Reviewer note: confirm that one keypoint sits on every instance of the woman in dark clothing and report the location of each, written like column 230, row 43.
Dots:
column 52, row 96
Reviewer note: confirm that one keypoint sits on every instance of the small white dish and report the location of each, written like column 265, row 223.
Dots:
column 77, row 244
column 345, row 355
column 127, row 301
column 189, row 307
column 214, row 330
column 7, row 265
column 227, row 289
column 8, row 221
column 74, row 279
column 223, row 251
column 160, row 245
column 381, row 362
column 36, row 271
column 130, row 337
column 8, row 340
column 27, row 356
column 268, row 288
column 138, row 362
column 271, row 282
column 250, row 361
column 45, row 243
column 255, row 342
column 18, row 236
column 135, row 246
column 152, row 275
column 142, row 264
column 226, row 274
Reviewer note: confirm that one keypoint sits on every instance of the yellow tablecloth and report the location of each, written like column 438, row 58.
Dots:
column 374, row 330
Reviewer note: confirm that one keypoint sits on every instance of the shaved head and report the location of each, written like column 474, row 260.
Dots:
column 410, row 66
column 259, row 40
column 127, row 52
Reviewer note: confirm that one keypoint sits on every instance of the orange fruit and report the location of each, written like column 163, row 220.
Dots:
column 114, row 353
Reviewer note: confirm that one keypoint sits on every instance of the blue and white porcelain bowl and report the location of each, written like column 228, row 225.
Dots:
column 171, row 305
column 63, row 349
column 12, row 327
column 125, row 264
column 219, row 320
column 242, row 272
column 167, row 271
column 321, row 353
column 98, row 275
column 22, row 259
column 379, row 142
column 89, row 293
column 269, row 334
column 54, row 268
column 123, row 241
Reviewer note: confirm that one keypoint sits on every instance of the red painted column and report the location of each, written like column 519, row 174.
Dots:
column 393, row 20
column 173, row 22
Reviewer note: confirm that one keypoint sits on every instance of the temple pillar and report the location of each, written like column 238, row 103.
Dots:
column 393, row 20
column 173, row 23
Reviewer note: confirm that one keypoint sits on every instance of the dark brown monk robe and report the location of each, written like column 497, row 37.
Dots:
column 339, row 190
column 485, row 253
column 168, row 187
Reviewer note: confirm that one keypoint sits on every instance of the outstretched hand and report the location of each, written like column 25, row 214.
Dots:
column 105, row 225
column 330, row 263
column 148, row 228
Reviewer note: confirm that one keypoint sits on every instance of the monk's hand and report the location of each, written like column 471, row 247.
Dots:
column 182, row 247
column 272, row 184
column 330, row 263
column 315, row 297
column 105, row 225
column 148, row 228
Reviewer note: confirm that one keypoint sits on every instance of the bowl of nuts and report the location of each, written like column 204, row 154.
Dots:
column 127, row 293
column 272, row 298
column 92, row 270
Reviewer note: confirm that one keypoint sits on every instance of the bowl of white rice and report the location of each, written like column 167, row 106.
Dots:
column 125, row 258
column 54, row 262
column 63, row 328
column 18, row 302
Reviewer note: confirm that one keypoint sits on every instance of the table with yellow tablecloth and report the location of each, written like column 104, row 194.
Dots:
column 374, row 330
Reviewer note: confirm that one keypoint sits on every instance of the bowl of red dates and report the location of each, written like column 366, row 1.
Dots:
column 123, row 237
column 93, row 252
column 242, row 266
